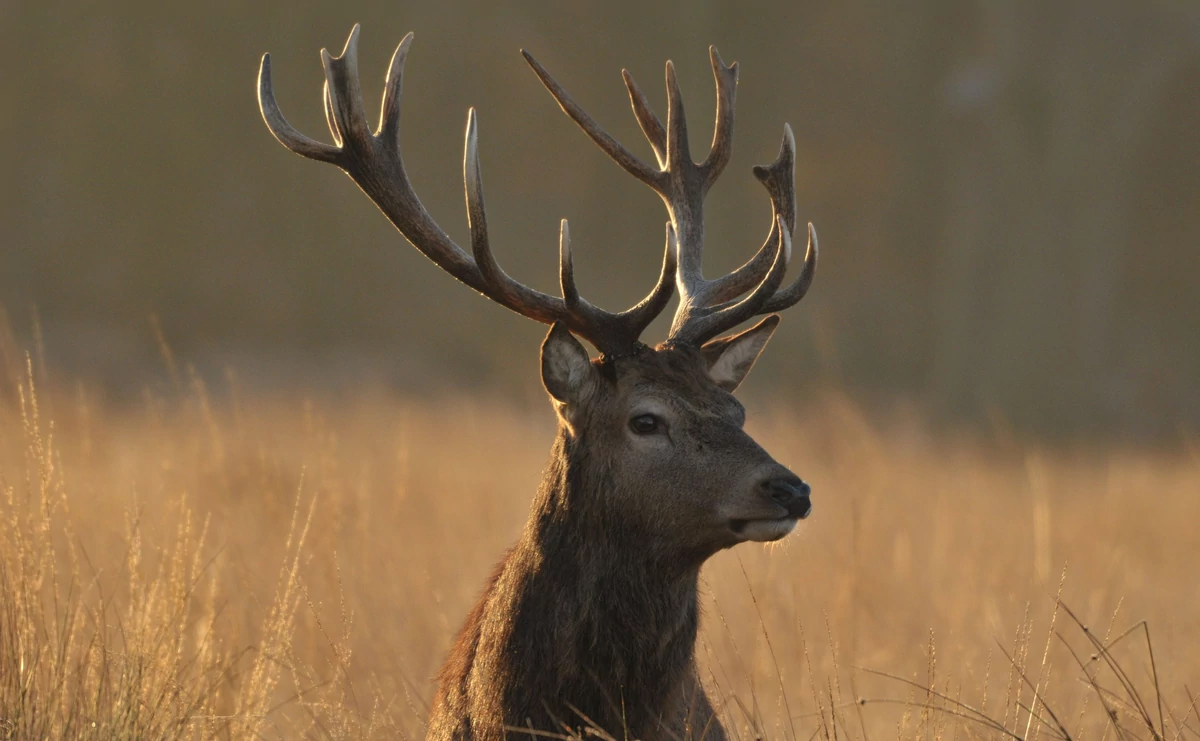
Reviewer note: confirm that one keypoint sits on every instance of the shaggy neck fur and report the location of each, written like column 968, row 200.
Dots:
column 588, row 615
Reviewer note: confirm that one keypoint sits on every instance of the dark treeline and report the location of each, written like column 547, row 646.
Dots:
column 1008, row 194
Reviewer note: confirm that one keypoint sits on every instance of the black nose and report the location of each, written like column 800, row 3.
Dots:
column 791, row 493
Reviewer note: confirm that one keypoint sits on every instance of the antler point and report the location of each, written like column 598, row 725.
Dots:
column 786, row 237
column 472, row 141
column 264, row 75
column 351, row 48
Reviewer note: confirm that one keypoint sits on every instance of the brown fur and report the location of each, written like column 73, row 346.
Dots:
column 593, row 613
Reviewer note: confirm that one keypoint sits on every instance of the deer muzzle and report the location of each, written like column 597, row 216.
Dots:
column 790, row 492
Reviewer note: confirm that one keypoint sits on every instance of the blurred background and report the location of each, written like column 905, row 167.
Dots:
column 994, row 375
column 1007, row 194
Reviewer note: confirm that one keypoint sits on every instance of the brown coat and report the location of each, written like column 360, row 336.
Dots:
column 591, row 617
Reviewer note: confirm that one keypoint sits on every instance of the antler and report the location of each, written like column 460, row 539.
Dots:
column 706, row 307
column 374, row 162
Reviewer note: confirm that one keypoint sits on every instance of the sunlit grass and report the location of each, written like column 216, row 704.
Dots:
column 227, row 565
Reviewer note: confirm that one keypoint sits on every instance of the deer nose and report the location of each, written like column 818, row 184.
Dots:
column 789, row 492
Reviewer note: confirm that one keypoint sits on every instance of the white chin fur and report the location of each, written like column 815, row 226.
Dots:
column 764, row 531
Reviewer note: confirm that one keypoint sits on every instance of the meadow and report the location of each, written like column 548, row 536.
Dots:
column 211, row 562
column 992, row 387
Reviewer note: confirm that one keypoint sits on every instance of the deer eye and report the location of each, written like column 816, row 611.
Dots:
column 646, row 424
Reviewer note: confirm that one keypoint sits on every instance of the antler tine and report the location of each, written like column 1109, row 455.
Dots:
column 779, row 178
column 375, row 163
column 330, row 116
column 501, row 288
column 566, row 268
column 614, row 149
column 684, row 191
column 640, row 316
column 284, row 132
column 679, row 155
column 393, row 93
column 791, row 295
column 722, row 144
column 651, row 126
column 343, row 95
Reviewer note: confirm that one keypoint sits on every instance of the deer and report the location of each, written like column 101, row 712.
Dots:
column 590, row 620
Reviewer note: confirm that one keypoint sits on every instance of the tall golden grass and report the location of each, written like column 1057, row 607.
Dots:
column 229, row 565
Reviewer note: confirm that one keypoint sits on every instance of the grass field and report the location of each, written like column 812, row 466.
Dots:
column 217, row 564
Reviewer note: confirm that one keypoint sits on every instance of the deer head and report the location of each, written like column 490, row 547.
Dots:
column 661, row 424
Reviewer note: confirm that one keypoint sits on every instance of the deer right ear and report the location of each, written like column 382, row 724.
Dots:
column 729, row 359
column 567, row 371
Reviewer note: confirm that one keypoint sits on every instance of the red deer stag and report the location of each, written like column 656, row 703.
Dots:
column 591, row 617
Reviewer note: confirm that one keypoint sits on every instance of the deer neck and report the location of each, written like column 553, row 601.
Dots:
column 620, row 614
column 574, row 523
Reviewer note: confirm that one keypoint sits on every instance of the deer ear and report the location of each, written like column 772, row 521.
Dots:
column 567, row 371
column 731, row 358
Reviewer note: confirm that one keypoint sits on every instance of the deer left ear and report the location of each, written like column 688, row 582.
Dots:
column 730, row 358
column 567, row 371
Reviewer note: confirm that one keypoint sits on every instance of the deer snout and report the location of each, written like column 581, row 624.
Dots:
column 790, row 492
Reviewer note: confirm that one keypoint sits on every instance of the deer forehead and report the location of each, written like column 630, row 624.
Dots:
column 664, row 385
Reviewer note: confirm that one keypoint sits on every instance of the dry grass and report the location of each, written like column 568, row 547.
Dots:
column 280, row 568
